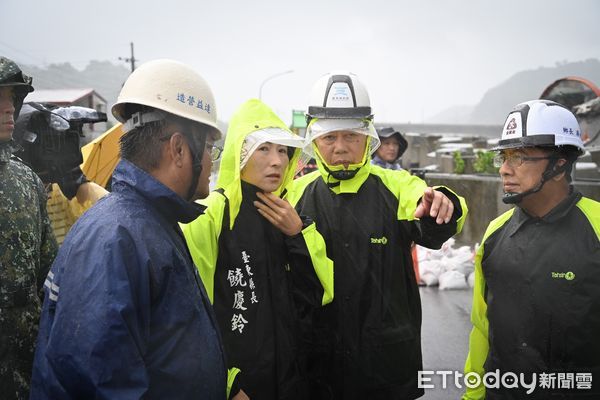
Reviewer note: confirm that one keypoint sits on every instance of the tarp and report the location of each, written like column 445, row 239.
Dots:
column 101, row 155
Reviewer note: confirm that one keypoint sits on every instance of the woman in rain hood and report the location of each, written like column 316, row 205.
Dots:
column 248, row 245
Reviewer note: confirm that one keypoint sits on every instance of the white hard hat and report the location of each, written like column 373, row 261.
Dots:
column 540, row 123
column 169, row 86
column 339, row 102
column 339, row 94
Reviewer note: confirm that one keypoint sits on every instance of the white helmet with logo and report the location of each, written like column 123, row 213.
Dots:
column 339, row 101
column 540, row 123
column 339, row 95
column 169, row 86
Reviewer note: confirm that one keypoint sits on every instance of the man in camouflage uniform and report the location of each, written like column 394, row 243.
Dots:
column 27, row 244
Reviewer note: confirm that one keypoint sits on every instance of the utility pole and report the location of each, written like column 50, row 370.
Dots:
column 130, row 59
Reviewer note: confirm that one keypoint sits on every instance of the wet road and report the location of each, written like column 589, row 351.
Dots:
column 445, row 337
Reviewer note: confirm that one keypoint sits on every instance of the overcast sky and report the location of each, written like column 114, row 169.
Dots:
column 417, row 58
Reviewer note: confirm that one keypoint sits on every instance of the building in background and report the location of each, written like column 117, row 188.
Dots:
column 299, row 128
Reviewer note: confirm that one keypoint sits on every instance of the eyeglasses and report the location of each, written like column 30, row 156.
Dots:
column 214, row 151
column 515, row 160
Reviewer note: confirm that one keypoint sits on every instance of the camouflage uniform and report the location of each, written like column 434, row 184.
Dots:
column 27, row 249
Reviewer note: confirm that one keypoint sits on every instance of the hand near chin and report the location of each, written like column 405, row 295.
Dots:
column 279, row 213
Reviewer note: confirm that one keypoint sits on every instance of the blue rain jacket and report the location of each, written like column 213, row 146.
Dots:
column 125, row 314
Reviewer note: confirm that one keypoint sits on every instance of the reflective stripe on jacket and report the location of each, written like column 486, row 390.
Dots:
column 245, row 265
column 367, row 343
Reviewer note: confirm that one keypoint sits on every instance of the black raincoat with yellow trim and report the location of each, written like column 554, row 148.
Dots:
column 536, row 303
column 245, row 264
column 366, row 344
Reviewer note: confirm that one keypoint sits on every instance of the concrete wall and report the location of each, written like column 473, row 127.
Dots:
column 491, row 131
column 428, row 149
column 483, row 194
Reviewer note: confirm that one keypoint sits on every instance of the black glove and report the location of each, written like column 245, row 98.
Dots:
column 70, row 181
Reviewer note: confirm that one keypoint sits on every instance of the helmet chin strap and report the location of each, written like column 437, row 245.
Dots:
column 196, row 164
column 343, row 174
column 550, row 172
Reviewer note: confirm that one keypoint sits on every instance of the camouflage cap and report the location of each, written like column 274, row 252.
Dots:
column 11, row 75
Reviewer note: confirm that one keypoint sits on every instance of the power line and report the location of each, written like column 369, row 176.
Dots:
column 22, row 52
column 56, row 79
column 59, row 78
column 36, row 60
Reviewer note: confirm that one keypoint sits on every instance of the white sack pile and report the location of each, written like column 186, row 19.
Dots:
column 447, row 267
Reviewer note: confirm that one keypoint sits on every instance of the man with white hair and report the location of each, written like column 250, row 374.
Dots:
column 367, row 342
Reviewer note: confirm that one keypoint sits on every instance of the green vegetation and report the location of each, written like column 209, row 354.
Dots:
column 459, row 163
column 484, row 163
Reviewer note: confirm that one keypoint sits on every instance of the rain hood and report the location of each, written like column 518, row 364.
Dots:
column 252, row 116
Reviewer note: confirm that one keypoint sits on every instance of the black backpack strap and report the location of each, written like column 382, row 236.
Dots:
column 221, row 191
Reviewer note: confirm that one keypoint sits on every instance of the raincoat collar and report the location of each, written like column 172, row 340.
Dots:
column 249, row 191
column 345, row 186
column 6, row 150
column 521, row 217
column 168, row 203
column 387, row 165
column 252, row 116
